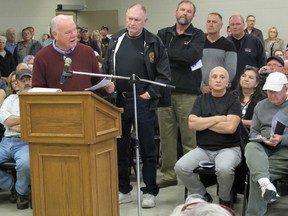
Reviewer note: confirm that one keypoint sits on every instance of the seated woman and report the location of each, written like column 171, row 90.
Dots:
column 249, row 92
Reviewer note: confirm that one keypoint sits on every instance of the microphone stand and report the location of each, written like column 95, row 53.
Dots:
column 133, row 79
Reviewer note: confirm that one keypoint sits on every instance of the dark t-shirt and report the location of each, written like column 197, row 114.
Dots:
column 205, row 106
column 130, row 60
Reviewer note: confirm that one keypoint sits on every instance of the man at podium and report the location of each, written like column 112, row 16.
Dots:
column 50, row 64
column 11, row 146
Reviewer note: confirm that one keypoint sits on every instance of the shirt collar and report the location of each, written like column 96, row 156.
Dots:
column 64, row 52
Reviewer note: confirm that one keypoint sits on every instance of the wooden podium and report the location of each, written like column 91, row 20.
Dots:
column 73, row 153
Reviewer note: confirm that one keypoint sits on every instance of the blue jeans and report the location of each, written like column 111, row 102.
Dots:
column 13, row 148
column 147, row 147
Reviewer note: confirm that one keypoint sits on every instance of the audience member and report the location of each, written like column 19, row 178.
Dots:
column 228, row 31
column 32, row 31
column 78, row 28
column 266, row 155
column 286, row 67
column 286, row 53
column 250, row 29
column 21, row 66
column 249, row 91
column 274, row 64
column 249, row 49
column 48, row 63
column 195, row 205
column 12, row 84
column 215, row 116
column 11, row 146
column 218, row 51
column 185, row 45
column 44, row 37
column 152, row 64
column 279, row 53
column 26, row 47
column 7, row 63
column 29, row 60
column 97, row 43
column 49, row 40
column 273, row 42
column 11, row 40
column 104, row 30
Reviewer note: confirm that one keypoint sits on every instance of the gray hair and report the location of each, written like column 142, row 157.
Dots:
column 10, row 30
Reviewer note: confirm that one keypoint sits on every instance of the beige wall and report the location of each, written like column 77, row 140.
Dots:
column 161, row 13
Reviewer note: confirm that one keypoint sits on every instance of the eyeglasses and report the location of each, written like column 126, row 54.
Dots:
column 274, row 65
column 27, row 79
column 14, row 81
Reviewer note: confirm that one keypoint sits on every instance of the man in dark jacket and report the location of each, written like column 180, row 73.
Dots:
column 135, row 50
column 185, row 45
column 250, row 50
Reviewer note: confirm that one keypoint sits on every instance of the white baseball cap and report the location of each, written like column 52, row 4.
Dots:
column 275, row 82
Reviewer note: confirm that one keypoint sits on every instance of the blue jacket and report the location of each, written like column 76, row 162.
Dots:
column 251, row 53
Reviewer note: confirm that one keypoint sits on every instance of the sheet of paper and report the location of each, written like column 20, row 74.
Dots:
column 39, row 89
column 197, row 65
column 103, row 82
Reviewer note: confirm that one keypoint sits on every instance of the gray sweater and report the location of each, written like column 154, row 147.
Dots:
column 264, row 112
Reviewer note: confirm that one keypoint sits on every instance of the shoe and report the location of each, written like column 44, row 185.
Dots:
column 207, row 197
column 22, row 201
column 13, row 195
column 125, row 198
column 164, row 183
column 225, row 203
column 269, row 192
column 148, row 201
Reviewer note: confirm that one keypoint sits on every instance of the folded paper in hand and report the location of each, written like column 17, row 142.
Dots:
column 101, row 84
column 206, row 164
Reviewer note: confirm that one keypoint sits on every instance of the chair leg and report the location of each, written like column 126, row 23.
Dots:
column 246, row 193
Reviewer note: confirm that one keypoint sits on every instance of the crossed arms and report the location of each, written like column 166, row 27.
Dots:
column 223, row 124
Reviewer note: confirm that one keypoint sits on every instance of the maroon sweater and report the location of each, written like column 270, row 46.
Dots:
column 48, row 66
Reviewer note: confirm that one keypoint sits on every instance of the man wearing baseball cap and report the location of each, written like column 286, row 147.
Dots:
column 267, row 155
column 274, row 63
column 104, row 31
column 11, row 146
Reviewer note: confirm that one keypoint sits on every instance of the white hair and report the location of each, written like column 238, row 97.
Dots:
column 200, row 208
column 2, row 38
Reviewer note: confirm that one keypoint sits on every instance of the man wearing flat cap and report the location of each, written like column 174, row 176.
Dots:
column 11, row 146
column 267, row 153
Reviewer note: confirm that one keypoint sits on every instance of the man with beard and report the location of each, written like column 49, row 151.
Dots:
column 11, row 146
column 185, row 45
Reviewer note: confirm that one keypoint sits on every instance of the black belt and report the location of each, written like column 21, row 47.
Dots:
column 129, row 94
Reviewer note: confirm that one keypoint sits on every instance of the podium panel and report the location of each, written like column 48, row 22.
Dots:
column 73, row 153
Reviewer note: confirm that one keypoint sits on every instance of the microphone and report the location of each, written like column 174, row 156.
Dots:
column 66, row 70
